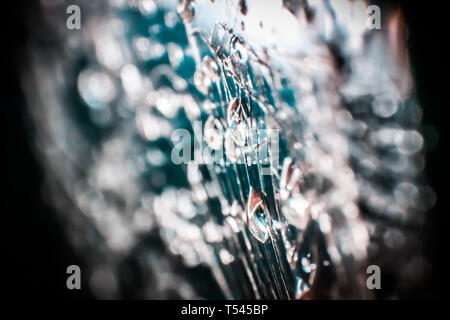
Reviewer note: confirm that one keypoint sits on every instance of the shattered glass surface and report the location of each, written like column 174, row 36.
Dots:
column 306, row 153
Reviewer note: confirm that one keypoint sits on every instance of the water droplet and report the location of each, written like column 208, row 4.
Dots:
column 228, row 67
column 166, row 101
column 103, row 282
column 191, row 107
column 218, row 33
column 301, row 288
column 208, row 106
column 394, row 238
column 210, row 68
column 148, row 49
column 238, row 49
column 152, row 127
column 233, row 153
column 132, row 80
column 176, row 55
column 290, row 178
column 235, row 209
column 202, row 82
column 213, row 133
column 148, row 7
column 193, row 174
column 385, row 107
column 256, row 217
column 307, row 265
column 225, row 256
column 296, row 209
column 156, row 157
column 276, row 225
column 236, row 121
column 405, row 193
column 96, row 88
column 243, row 7
column 258, row 140
column 212, row 232
column 109, row 50
column 233, row 224
column 290, row 253
column 411, row 142
column 171, row 19
column 186, row 9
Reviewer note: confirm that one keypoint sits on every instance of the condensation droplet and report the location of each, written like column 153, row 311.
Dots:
column 301, row 288
column 290, row 178
column 228, row 67
column 276, row 225
column 233, row 153
column 96, row 88
column 148, row 49
column 171, row 19
column 384, row 107
column 148, row 7
column 186, row 9
column 394, row 238
column 213, row 133
column 132, row 80
column 307, row 265
column 225, row 256
column 210, row 68
column 236, row 122
column 256, row 217
column 411, row 142
column 297, row 210
column 238, row 49
column 176, row 55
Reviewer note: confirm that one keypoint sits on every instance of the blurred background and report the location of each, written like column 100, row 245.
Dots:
column 36, row 249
